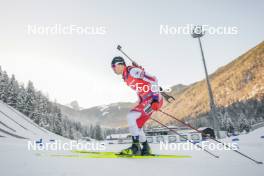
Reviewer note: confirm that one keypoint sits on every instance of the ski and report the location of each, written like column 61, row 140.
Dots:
column 90, row 154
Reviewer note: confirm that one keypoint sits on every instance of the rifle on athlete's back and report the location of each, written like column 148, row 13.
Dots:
column 166, row 96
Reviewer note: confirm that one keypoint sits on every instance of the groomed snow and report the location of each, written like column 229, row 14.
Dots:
column 15, row 159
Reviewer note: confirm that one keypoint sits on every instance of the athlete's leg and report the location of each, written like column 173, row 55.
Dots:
column 135, row 149
column 132, row 122
column 142, row 136
column 132, row 118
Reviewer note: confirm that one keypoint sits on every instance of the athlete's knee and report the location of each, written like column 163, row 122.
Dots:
column 132, row 117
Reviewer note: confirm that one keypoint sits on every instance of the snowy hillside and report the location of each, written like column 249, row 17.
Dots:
column 16, row 159
column 15, row 125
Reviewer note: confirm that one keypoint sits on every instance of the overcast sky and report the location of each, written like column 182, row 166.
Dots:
column 77, row 67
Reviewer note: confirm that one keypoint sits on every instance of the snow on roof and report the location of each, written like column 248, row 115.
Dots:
column 103, row 107
column 118, row 136
column 104, row 113
column 203, row 128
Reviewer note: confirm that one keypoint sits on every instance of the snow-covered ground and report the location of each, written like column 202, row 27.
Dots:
column 16, row 159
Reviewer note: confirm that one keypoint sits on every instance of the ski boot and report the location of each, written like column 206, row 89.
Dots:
column 135, row 149
column 146, row 150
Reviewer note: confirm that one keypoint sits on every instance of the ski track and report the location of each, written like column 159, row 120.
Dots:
column 11, row 134
column 25, row 118
column 16, row 123
column 7, row 126
column 12, row 120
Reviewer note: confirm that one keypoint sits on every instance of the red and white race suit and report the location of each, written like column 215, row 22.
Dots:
column 147, row 90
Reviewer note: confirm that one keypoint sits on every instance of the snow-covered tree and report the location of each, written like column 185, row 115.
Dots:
column 98, row 133
column 21, row 99
column 4, row 80
column 12, row 92
column 243, row 124
column 226, row 123
column 30, row 100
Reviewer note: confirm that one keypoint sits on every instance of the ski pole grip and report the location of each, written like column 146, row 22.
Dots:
column 119, row 47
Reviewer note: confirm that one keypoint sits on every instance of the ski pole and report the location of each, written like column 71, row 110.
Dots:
column 120, row 49
column 242, row 154
column 185, row 138
column 166, row 96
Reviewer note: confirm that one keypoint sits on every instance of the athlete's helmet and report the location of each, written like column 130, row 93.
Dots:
column 118, row 60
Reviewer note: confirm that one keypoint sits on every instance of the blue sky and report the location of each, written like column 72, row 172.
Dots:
column 77, row 67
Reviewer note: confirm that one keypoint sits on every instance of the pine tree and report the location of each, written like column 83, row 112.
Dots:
column 243, row 123
column 12, row 92
column 226, row 123
column 71, row 131
column 30, row 98
column 98, row 133
column 4, row 80
column 92, row 132
column 21, row 99
column 57, row 121
column 40, row 109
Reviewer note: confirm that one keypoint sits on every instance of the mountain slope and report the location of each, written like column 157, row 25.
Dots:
column 240, row 80
column 112, row 115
